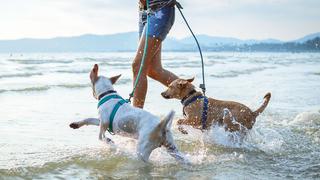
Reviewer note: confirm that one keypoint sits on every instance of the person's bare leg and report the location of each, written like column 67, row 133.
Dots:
column 158, row 73
column 141, row 89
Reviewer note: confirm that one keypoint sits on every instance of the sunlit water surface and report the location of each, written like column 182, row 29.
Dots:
column 40, row 94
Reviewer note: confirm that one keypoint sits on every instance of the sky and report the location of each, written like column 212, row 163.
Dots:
column 244, row 19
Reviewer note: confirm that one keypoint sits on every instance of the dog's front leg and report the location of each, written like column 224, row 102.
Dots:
column 180, row 128
column 181, row 121
column 88, row 121
column 102, row 136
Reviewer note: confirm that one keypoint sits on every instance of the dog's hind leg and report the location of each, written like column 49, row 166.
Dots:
column 229, row 121
column 88, row 121
column 175, row 153
column 144, row 147
column 172, row 149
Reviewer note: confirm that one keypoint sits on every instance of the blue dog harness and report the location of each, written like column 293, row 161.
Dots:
column 115, row 108
column 204, row 115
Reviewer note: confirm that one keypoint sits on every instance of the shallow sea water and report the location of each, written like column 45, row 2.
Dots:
column 40, row 94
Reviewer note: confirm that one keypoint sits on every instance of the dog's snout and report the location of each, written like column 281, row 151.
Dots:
column 164, row 94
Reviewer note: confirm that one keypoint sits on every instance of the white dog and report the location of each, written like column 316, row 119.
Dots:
column 128, row 120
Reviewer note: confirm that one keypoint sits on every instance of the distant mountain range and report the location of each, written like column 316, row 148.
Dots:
column 308, row 37
column 128, row 42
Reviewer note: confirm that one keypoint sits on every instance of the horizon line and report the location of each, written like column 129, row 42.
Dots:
column 172, row 37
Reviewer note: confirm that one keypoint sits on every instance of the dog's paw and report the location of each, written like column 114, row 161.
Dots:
column 74, row 125
column 180, row 121
column 109, row 141
column 182, row 130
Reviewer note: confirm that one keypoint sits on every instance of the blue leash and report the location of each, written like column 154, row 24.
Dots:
column 203, row 85
column 204, row 115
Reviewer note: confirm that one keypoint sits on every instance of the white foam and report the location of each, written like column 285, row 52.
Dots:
column 309, row 118
column 258, row 138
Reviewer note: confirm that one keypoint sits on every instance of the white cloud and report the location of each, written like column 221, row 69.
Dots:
column 284, row 19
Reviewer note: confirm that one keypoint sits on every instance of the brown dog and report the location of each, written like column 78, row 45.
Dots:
column 232, row 115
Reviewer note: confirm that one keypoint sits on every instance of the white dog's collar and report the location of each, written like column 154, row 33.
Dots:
column 106, row 93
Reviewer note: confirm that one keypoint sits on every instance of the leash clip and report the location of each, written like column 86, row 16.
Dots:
column 129, row 99
column 203, row 87
column 149, row 12
column 111, row 133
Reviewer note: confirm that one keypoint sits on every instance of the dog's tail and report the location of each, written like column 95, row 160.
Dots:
column 166, row 123
column 163, row 127
column 264, row 105
column 163, row 135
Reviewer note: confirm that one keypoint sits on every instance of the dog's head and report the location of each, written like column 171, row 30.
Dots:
column 178, row 89
column 101, row 84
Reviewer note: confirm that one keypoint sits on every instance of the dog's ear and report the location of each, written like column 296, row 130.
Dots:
column 114, row 79
column 182, row 83
column 94, row 73
column 190, row 80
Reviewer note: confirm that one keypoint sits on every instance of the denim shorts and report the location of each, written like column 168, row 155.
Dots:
column 160, row 22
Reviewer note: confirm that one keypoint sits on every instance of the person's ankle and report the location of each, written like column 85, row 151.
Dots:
column 138, row 105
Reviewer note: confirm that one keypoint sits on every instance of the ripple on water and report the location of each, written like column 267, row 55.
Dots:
column 74, row 71
column 45, row 88
column 234, row 73
column 67, row 86
column 20, row 75
column 40, row 61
